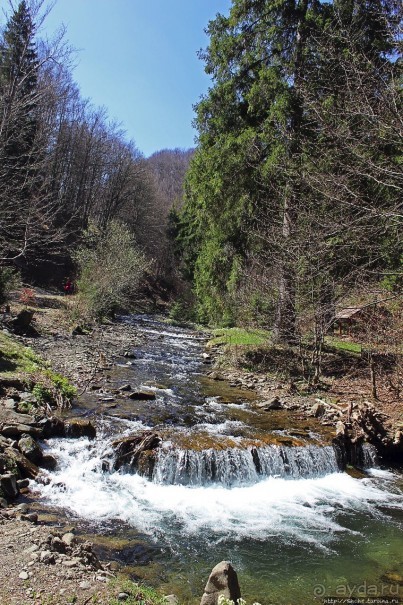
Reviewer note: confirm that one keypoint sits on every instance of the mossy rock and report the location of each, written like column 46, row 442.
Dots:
column 77, row 427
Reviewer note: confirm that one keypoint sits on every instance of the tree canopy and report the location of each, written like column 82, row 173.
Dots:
column 293, row 192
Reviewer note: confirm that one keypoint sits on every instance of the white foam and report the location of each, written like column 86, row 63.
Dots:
column 303, row 509
column 223, row 428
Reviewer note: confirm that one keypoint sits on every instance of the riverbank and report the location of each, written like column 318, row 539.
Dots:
column 100, row 360
column 341, row 400
column 42, row 562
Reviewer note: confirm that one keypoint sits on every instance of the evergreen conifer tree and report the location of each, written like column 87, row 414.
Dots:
column 18, row 131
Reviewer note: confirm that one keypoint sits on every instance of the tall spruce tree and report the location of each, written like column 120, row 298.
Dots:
column 285, row 171
column 250, row 131
column 19, row 177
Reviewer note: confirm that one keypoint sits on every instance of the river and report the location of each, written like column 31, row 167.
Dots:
column 261, row 489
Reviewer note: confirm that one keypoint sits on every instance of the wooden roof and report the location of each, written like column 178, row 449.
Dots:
column 347, row 313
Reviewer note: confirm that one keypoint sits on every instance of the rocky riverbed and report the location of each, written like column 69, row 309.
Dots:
column 40, row 564
column 41, row 558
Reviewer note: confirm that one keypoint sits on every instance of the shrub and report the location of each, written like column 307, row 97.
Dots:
column 27, row 297
column 110, row 270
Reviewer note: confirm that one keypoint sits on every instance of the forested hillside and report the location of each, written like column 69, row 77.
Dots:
column 67, row 171
column 293, row 198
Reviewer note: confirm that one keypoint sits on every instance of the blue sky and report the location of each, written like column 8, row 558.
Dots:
column 138, row 59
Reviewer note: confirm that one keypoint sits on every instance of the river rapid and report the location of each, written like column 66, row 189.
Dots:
column 261, row 489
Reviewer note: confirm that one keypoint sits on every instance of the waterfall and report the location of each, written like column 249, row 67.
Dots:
column 235, row 466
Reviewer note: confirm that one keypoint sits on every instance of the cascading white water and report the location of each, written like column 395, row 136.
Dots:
column 242, row 466
column 298, row 507
column 283, row 515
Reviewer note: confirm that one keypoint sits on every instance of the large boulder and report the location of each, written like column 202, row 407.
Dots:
column 22, row 322
column 25, row 466
column 77, row 427
column 223, row 580
column 51, row 427
column 136, row 451
column 8, row 486
column 30, row 448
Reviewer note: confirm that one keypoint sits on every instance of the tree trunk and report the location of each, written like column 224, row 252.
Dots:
column 285, row 326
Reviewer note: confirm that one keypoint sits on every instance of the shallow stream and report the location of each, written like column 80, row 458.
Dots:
column 261, row 489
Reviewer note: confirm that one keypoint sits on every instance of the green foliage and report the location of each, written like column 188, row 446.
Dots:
column 21, row 182
column 110, row 270
column 62, row 385
column 182, row 311
column 292, row 197
column 47, row 386
column 26, row 407
column 42, row 393
column 137, row 594
column 15, row 358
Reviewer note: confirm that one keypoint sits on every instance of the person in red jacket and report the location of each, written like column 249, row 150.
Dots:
column 68, row 286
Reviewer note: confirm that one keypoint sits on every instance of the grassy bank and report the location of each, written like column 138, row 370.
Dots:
column 240, row 336
column 21, row 364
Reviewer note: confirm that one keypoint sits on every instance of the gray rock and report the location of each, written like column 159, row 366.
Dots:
column 69, row 539
column 132, row 449
column 317, row 410
column 24, row 575
column 49, row 462
column 85, row 585
column 23, row 508
column 171, row 599
column 3, row 503
column 22, row 322
column 223, row 580
column 10, row 404
column 272, row 404
column 47, row 557
column 30, row 448
column 71, row 562
column 29, row 397
column 51, row 427
column 8, row 485
column 58, row 545
column 125, row 387
column 123, row 596
column 25, row 466
column 17, row 430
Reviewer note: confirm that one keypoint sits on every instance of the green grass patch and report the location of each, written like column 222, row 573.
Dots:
column 137, row 594
column 19, row 361
column 343, row 345
column 240, row 336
